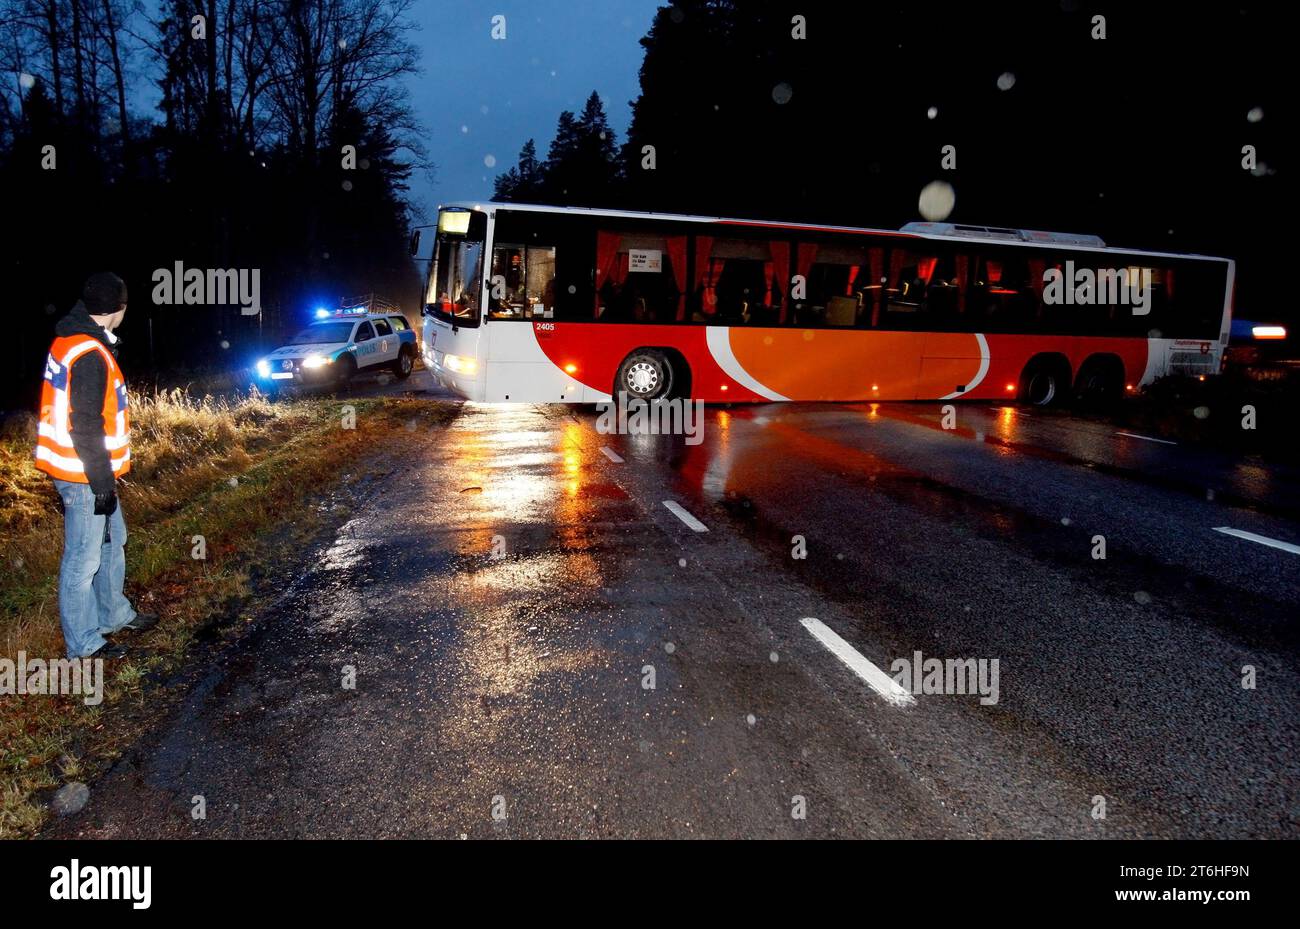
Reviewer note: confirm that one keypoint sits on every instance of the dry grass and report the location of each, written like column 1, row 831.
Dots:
column 230, row 470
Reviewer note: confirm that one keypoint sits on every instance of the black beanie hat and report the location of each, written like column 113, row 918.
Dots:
column 104, row 293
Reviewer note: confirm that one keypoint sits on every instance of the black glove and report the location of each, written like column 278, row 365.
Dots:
column 106, row 503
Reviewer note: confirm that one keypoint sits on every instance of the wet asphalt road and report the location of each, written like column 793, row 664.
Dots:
column 516, row 684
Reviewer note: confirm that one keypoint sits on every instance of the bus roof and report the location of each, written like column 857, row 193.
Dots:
column 917, row 230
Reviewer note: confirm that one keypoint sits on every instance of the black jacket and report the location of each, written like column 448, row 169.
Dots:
column 88, row 379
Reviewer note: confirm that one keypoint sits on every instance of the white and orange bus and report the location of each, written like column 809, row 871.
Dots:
column 539, row 303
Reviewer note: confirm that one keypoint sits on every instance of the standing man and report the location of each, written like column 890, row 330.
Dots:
column 84, row 444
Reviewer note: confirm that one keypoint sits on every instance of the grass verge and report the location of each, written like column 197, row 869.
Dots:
column 232, row 471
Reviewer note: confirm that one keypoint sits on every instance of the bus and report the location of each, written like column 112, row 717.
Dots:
column 531, row 303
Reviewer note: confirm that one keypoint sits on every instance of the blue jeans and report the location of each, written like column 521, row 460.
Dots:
column 91, row 602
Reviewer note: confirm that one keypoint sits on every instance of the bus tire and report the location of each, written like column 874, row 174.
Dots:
column 1045, row 381
column 1100, row 382
column 405, row 363
column 646, row 374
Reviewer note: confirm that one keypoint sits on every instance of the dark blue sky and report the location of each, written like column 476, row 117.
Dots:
column 479, row 97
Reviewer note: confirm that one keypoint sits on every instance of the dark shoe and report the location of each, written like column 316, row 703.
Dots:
column 108, row 651
column 141, row 622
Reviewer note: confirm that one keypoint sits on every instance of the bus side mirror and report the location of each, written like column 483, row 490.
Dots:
column 415, row 242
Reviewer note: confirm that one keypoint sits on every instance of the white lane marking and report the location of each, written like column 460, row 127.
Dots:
column 611, row 454
column 876, row 679
column 1145, row 438
column 676, row 509
column 979, row 375
column 719, row 343
column 1261, row 539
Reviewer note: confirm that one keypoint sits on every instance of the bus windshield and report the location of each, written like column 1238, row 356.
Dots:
column 456, row 284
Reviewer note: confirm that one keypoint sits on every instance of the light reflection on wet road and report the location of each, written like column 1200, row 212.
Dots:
column 506, row 596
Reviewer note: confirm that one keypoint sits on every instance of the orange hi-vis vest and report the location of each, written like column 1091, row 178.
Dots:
column 55, row 454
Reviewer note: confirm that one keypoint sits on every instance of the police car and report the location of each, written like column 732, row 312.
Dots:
column 338, row 345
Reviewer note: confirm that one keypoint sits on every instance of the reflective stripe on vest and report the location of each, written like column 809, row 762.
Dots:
column 55, row 453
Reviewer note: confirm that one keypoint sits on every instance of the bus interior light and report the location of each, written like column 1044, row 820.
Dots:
column 570, row 369
column 1268, row 332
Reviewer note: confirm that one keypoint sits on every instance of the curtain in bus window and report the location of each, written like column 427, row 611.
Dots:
column 876, row 259
column 963, row 271
column 805, row 255
column 704, row 273
column 780, row 270
column 852, row 279
column 606, row 260
column 898, row 259
column 1037, row 269
column 994, row 270
column 676, row 246
column 1169, row 283
column 925, row 269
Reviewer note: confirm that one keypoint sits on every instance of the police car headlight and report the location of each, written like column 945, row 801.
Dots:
column 460, row 365
column 263, row 368
column 316, row 361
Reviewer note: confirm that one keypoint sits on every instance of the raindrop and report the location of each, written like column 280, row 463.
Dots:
column 347, row 185
column 751, row 719
column 572, row 289
column 490, row 160
column 932, row 112
column 1142, row 597
column 669, row 647
column 483, row 109
column 225, row 344
column 676, row 14
column 1201, row 412
column 774, row 657
column 1254, row 116
column 1006, row 80
column 26, row 81
column 1065, row 520
column 464, row 129
column 681, row 562
column 782, row 93
column 936, row 201
column 365, row 164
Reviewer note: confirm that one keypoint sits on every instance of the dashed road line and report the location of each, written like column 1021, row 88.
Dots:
column 1261, row 539
column 676, row 509
column 876, row 679
column 611, row 454
column 1145, row 438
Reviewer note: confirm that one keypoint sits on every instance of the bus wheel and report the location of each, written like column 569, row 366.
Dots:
column 1043, row 384
column 645, row 374
column 1100, row 383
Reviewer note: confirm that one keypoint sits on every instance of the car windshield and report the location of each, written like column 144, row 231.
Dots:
column 322, row 333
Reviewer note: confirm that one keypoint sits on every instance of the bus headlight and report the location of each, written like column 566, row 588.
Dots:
column 460, row 364
column 263, row 368
column 316, row 361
